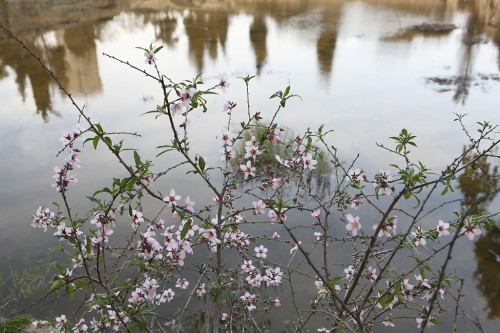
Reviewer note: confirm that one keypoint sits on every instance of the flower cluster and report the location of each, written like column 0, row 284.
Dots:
column 65, row 176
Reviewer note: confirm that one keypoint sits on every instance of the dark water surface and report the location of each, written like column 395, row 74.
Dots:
column 358, row 66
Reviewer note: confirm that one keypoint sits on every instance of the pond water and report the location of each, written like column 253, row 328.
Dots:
column 358, row 66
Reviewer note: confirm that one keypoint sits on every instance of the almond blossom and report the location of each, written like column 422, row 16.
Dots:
column 252, row 152
column 211, row 235
column 185, row 95
column 309, row 163
column 418, row 237
column 247, row 266
column 355, row 175
column 150, row 57
column 223, row 84
column 189, row 204
column 277, row 303
column 382, row 180
column 285, row 163
column 172, row 198
column 248, row 170
column 182, row 283
column 371, row 273
column 389, row 227
column 43, row 218
column 248, row 299
column 422, row 282
column 200, row 290
column 260, row 252
column 259, row 207
column 349, row 272
column 442, row 228
column 470, row 229
column 353, row 224
column 277, row 182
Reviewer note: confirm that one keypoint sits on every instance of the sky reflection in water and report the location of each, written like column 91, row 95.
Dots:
column 357, row 67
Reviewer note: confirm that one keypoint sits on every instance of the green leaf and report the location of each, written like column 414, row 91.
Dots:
column 93, row 199
column 142, row 321
column 95, row 141
column 158, row 49
column 59, row 268
column 186, row 227
column 201, row 163
column 287, row 91
column 336, row 279
column 436, row 321
column 108, row 141
column 99, row 128
column 137, row 159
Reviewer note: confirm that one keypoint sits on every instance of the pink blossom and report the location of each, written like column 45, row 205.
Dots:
column 166, row 296
column 248, row 170
column 226, row 138
column 422, row 282
column 285, row 163
column 247, row 266
column 260, row 252
column 252, row 152
column 355, row 175
column 224, row 316
column 200, row 290
column 372, row 273
column 277, row 303
column 316, row 213
column 428, row 295
column 186, row 95
column 470, row 229
column 353, row 224
column 382, row 179
column 309, row 163
column 276, row 236
column 389, row 228
column 273, row 276
column 182, row 283
column 150, row 57
column 210, row 234
column 189, row 204
column 259, row 207
column 319, row 236
column 172, row 198
column 418, row 237
column 442, row 228
column 176, row 108
column 223, row 84
column 349, row 272
column 295, row 247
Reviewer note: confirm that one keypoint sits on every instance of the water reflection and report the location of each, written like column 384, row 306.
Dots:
column 487, row 252
column 74, row 27
column 478, row 191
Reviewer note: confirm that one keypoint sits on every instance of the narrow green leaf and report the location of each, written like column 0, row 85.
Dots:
column 137, row 159
column 201, row 163
column 95, row 141
column 185, row 229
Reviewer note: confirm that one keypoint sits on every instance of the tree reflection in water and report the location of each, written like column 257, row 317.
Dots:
column 318, row 179
column 478, row 191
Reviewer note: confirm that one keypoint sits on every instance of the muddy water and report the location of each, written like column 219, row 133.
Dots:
column 358, row 65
